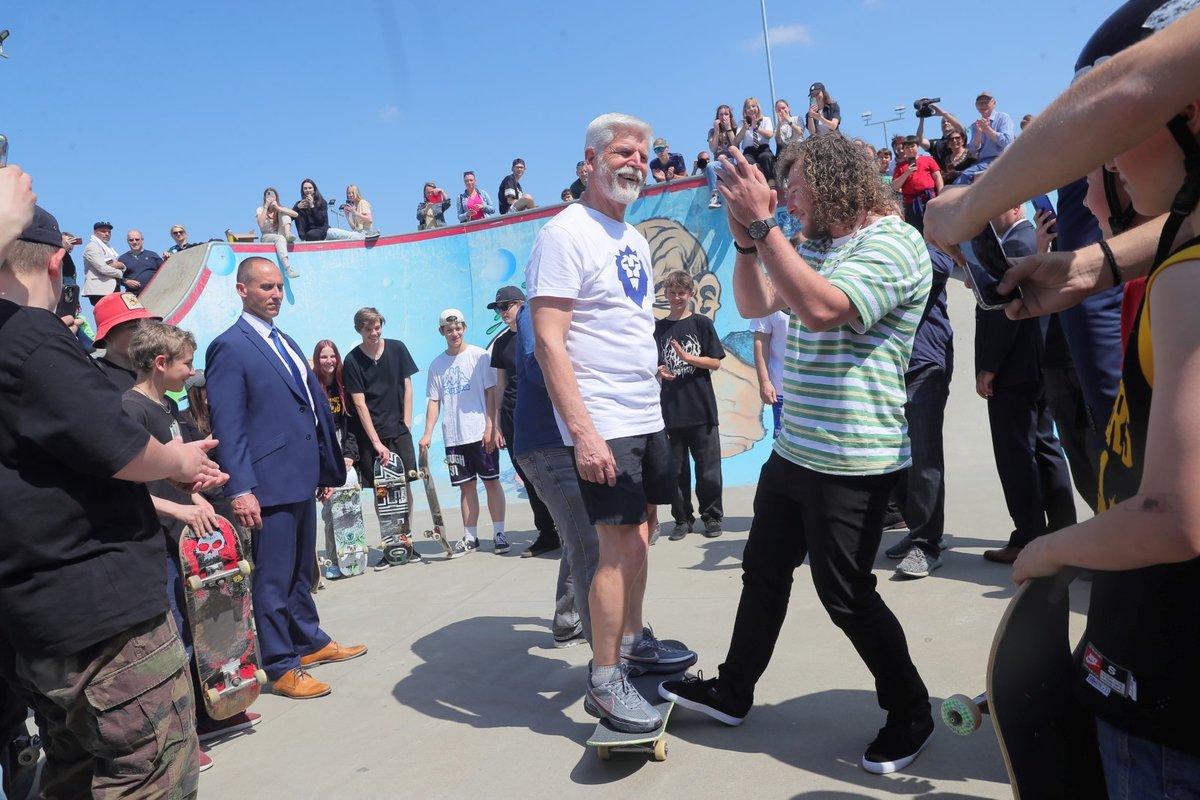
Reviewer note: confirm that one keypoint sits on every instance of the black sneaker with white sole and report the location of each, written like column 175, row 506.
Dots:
column 897, row 746
column 705, row 696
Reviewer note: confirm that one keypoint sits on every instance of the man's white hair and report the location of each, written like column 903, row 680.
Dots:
column 603, row 129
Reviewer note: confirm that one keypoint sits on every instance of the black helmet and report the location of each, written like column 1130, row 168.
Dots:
column 1128, row 25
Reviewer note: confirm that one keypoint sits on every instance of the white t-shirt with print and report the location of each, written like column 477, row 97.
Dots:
column 459, row 384
column 603, row 266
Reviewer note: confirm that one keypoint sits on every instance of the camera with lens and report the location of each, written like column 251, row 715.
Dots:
column 923, row 106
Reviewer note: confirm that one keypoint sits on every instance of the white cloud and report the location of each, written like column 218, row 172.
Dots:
column 782, row 36
column 389, row 113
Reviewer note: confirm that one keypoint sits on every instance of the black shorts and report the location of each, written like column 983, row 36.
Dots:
column 470, row 461
column 402, row 446
column 644, row 477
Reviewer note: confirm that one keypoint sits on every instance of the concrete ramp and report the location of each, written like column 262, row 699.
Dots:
column 410, row 278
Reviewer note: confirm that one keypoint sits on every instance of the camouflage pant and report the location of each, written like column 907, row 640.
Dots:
column 119, row 716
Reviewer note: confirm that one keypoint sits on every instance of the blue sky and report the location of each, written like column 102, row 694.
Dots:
column 151, row 114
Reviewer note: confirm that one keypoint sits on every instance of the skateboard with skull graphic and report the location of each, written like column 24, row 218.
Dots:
column 216, row 581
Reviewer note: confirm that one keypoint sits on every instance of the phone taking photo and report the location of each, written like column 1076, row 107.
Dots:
column 986, row 264
column 1042, row 203
column 3, row 150
column 68, row 300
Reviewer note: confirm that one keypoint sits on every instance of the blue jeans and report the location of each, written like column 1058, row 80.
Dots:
column 968, row 175
column 710, row 172
column 338, row 233
column 1135, row 768
column 551, row 470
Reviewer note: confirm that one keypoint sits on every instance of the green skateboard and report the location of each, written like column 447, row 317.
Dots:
column 608, row 740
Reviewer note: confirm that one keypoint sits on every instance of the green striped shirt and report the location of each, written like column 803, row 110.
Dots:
column 843, row 389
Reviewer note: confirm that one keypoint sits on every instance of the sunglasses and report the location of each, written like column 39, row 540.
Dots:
column 506, row 306
column 659, row 149
column 177, row 233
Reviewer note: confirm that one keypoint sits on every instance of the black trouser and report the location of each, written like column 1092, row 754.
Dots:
column 1069, row 410
column 703, row 443
column 542, row 519
column 836, row 521
column 921, row 488
column 762, row 156
column 1029, row 462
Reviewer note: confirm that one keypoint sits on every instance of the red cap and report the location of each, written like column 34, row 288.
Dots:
column 115, row 309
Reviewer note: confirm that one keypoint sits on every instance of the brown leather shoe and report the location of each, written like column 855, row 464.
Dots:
column 332, row 652
column 299, row 685
column 1005, row 555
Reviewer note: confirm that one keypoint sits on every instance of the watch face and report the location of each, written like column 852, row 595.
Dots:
column 760, row 227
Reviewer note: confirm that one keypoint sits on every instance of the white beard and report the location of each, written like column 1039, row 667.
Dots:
column 617, row 192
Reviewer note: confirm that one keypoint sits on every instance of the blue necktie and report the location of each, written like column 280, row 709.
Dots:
column 296, row 377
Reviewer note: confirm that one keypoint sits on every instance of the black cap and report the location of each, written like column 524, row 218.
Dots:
column 43, row 229
column 520, row 161
column 100, row 225
column 196, row 381
column 816, row 87
column 506, row 294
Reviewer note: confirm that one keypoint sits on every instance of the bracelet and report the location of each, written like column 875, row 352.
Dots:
column 1112, row 262
column 746, row 251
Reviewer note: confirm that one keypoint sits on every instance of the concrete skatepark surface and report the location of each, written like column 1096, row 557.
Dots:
column 463, row 695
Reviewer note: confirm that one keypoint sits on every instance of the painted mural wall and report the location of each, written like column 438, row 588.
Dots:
column 411, row 278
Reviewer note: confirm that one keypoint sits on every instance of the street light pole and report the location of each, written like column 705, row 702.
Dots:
column 866, row 115
column 767, row 44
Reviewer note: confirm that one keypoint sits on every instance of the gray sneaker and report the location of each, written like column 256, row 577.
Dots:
column 900, row 549
column 652, row 655
column 621, row 704
column 654, row 534
column 465, row 545
column 680, row 530
column 917, row 564
column 712, row 528
column 714, row 201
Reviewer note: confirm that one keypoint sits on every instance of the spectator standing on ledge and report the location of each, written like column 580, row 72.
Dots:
column 102, row 269
column 140, row 264
column 824, row 114
column 512, row 197
column 431, row 211
column 275, row 221
column 667, row 165
column 473, row 202
column 179, row 236
column 580, row 182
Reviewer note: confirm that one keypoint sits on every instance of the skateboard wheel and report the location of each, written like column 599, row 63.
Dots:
column 194, row 582
column 260, row 677
column 603, row 752
column 27, row 757
column 660, row 750
column 213, row 696
column 961, row 714
column 244, row 567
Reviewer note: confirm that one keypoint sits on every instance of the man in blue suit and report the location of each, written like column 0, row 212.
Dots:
column 278, row 446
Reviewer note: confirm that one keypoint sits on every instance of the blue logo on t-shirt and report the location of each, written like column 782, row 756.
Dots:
column 455, row 381
column 634, row 277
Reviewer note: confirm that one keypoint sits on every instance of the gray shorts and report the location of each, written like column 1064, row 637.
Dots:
column 644, row 477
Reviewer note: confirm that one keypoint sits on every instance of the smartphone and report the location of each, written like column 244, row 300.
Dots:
column 1042, row 203
column 68, row 300
column 986, row 264
column 3, row 150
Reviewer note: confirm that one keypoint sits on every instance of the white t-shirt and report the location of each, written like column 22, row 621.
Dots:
column 603, row 266
column 459, row 383
column 776, row 326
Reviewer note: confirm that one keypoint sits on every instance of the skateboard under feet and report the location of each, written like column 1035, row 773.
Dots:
column 608, row 740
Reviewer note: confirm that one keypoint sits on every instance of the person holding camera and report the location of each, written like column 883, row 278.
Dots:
column 701, row 162
column 431, row 211
column 721, row 136
column 938, row 148
column 274, row 223
column 754, row 136
column 824, row 114
column 312, row 216
column 358, row 213
column 918, row 179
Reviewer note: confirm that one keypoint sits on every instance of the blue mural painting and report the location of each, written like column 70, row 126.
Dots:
column 411, row 278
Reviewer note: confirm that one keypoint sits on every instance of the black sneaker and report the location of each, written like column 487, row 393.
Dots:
column 897, row 746
column 542, row 544
column 704, row 696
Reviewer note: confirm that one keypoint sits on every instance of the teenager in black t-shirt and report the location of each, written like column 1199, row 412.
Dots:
column 689, row 352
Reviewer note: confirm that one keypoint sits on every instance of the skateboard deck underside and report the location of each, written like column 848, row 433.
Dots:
column 1047, row 738
column 438, row 533
column 349, row 533
column 391, row 500
column 221, row 618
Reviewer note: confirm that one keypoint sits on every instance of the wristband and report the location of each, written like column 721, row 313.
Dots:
column 746, row 251
column 1111, row 260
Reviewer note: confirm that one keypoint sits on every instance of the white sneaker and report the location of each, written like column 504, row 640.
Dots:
column 713, row 202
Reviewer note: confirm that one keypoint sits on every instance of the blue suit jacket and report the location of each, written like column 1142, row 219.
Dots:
column 268, row 442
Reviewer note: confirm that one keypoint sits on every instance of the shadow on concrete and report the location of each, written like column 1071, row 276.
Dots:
column 825, row 734
column 720, row 554
column 452, row 682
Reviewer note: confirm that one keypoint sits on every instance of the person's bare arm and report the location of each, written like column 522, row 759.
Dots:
column 551, row 317
column 1055, row 281
column 1143, row 86
column 16, row 205
column 939, row 182
column 432, row 408
column 359, row 399
column 408, row 395
column 766, row 389
column 183, row 463
column 921, row 140
column 1161, row 523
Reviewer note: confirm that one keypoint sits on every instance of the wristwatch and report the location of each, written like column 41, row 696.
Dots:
column 759, row 229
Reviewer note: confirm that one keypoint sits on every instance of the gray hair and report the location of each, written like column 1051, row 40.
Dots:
column 603, row 129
